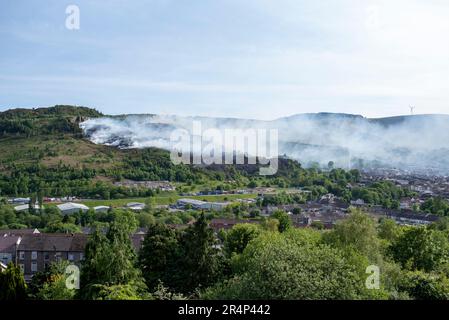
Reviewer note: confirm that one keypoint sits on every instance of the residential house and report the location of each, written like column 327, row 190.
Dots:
column 36, row 251
column 218, row 224
column 18, row 232
column 8, row 247
column 412, row 218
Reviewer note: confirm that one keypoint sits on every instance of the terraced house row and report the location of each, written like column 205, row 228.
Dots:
column 33, row 251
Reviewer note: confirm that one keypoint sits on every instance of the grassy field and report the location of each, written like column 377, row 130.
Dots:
column 163, row 200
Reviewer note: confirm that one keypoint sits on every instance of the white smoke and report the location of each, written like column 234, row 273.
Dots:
column 412, row 142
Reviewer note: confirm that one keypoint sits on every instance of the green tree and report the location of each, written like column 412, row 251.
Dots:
column 56, row 289
column 118, row 292
column 12, row 284
column 357, row 232
column 317, row 225
column 284, row 220
column 199, row 257
column 437, row 206
column 252, row 184
column 110, row 259
column 239, row 236
column 420, row 248
column 291, row 266
column 158, row 255
column 150, row 203
column 425, row 286
column 49, row 284
column 59, row 227
column 389, row 230
column 270, row 225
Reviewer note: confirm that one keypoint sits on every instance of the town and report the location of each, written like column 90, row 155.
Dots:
column 34, row 250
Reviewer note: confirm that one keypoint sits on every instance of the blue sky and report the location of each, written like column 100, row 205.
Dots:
column 254, row 58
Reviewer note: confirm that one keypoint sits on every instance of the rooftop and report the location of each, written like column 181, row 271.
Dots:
column 71, row 206
column 53, row 242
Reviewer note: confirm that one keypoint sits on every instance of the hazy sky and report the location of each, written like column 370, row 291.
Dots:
column 242, row 58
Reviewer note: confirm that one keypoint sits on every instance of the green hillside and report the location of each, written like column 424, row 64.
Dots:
column 43, row 151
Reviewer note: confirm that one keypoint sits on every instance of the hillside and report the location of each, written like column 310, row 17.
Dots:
column 350, row 141
column 41, row 121
column 44, row 150
column 55, row 111
column 47, row 136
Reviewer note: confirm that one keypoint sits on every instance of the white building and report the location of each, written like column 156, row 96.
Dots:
column 202, row 205
column 70, row 207
column 25, row 207
column 135, row 206
column 195, row 204
column 217, row 206
column 101, row 208
column 19, row 200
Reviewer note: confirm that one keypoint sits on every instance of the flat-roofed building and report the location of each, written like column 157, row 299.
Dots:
column 26, row 207
column 70, row 207
column 135, row 206
column 202, row 205
column 101, row 208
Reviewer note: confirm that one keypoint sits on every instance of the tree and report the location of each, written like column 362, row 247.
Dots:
column 59, row 227
column 284, row 220
column 252, row 184
column 158, row 255
column 425, row 286
column 50, row 284
column 389, row 230
column 319, row 225
column 199, row 257
column 150, row 203
column 420, row 248
column 163, row 293
column 110, row 259
column 56, row 289
column 118, row 292
column 145, row 219
column 437, row 206
column 291, row 265
column 357, row 232
column 254, row 213
column 270, row 225
column 40, row 198
column 239, row 236
column 12, row 284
